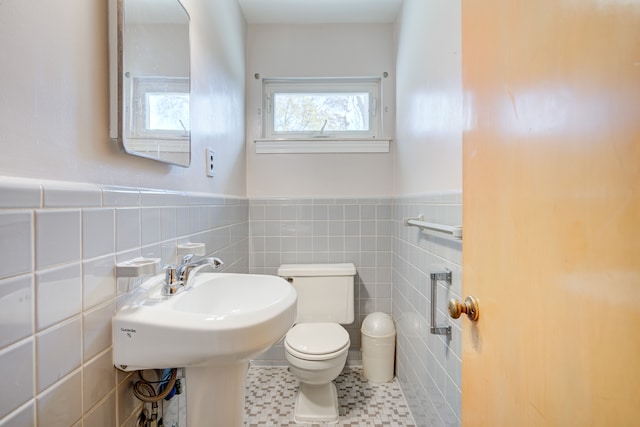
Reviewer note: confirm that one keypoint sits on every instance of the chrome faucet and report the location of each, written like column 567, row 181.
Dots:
column 181, row 275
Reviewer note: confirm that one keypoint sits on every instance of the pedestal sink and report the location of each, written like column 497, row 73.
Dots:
column 213, row 328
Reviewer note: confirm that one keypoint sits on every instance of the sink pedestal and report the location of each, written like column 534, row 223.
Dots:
column 215, row 395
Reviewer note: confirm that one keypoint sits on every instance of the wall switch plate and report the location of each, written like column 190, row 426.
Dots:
column 209, row 162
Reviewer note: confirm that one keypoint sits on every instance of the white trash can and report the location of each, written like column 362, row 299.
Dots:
column 378, row 344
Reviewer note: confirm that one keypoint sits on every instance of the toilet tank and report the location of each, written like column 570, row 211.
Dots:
column 325, row 291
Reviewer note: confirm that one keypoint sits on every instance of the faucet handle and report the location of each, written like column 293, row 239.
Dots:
column 170, row 274
column 170, row 280
column 186, row 259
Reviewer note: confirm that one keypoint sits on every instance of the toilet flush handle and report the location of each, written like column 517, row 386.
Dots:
column 469, row 307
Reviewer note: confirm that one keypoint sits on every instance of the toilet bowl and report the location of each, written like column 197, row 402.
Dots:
column 317, row 353
column 317, row 346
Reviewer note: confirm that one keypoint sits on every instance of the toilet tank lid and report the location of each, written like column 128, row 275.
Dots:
column 299, row 270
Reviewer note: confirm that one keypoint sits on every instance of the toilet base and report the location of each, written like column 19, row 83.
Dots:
column 316, row 403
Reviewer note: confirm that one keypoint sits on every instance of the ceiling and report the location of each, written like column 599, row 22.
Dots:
column 319, row 11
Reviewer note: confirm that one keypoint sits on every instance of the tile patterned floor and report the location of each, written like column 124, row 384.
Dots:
column 271, row 395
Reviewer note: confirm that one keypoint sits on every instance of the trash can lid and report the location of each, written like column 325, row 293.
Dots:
column 378, row 325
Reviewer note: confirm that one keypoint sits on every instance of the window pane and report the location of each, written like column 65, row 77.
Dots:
column 308, row 112
column 168, row 111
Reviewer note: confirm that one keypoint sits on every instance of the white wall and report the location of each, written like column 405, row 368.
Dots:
column 54, row 97
column 318, row 51
column 218, row 95
column 428, row 181
column 429, row 100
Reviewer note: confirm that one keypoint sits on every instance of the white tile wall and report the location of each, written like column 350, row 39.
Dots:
column 58, row 294
column 17, row 373
column 23, row 417
column 127, row 228
column 18, row 193
column 98, row 281
column 98, row 227
column 104, row 414
column 326, row 231
column 149, row 225
column 58, row 287
column 16, row 245
column 57, row 237
column 61, row 405
column 167, row 223
column 59, row 243
column 96, row 329
column 65, row 194
column 97, row 380
column 428, row 366
column 16, row 309
column 59, row 351
column 120, row 197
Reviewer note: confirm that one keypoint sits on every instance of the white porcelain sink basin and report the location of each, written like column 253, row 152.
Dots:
column 212, row 329
column 220, row 317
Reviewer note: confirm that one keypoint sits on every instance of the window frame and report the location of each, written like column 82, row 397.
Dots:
column 371, row 86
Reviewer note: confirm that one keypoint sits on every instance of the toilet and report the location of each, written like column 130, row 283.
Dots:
column 316, row 347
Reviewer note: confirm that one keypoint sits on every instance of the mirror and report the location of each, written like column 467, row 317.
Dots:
column 149, row 71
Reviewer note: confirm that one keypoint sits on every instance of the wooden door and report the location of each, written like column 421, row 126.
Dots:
column 551, row 167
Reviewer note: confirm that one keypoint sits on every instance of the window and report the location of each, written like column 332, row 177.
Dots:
column 329, row 108
column 160, row 108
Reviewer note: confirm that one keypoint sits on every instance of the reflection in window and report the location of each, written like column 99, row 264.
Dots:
column 300, row 112
column 339, row 108
column 167, row 111
column 160, row 108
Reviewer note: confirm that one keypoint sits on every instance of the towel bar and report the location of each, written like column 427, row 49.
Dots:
column 454, row 230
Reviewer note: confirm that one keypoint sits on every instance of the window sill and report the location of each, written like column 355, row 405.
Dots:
column 170, row 145
column 321, row 145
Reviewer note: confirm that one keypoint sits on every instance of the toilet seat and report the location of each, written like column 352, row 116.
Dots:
column 316, row 341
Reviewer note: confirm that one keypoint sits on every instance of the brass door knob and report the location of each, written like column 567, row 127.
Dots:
column 469, row 307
